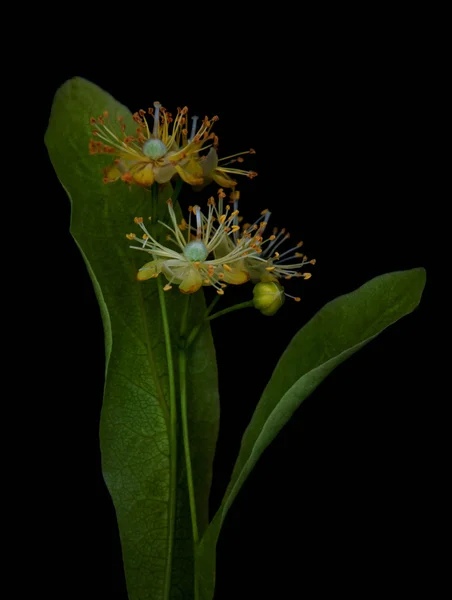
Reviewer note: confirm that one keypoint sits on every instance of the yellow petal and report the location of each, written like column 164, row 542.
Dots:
column 191, row 282
column 111, row 173
column 223, row 179
column 143, row 174
column 149, row 270
column 236, row 276
column 188, row 177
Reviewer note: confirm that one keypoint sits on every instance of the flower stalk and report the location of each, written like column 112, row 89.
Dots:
column 186, row 438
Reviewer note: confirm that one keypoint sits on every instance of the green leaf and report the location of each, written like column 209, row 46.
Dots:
column 134, row 431
column 336, row 332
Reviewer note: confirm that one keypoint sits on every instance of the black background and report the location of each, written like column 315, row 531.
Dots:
column 338, row 503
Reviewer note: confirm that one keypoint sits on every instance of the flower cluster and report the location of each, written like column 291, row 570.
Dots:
column 158, row 153
column 213, row 249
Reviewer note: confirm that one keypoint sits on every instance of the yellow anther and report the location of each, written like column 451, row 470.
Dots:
column 220, row 292
column 167, row 287
column 227, row 267
column 307, row 275
column 138, row 220
column 270, row 268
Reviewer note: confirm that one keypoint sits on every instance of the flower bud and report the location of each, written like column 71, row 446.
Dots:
column 268, row 297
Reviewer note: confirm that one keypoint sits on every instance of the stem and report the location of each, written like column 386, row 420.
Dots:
column 230, row 309
column 154, row 201
column 179, row 185
column 194, row 332
column 173, row 442
column 184, row 415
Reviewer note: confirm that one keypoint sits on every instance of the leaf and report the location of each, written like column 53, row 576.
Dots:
column 135, row 414
column 334, row 334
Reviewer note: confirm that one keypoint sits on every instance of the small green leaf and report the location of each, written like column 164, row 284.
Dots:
column 336, row 332
column 135, row 414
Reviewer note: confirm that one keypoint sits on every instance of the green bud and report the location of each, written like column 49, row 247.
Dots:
column 268, row 297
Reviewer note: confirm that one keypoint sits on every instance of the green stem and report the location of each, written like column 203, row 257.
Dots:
column 177, row 190
column 194, row 332
column 184, row 416
column 230, row 309
column 173, row 442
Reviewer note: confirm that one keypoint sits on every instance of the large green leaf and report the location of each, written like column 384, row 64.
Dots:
column 336, row 332
column 134, row 422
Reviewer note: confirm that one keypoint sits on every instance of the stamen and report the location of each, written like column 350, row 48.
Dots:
column 296, row 298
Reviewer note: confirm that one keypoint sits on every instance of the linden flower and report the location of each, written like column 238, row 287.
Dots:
column 265, row 263
column 188, row 264
column 166, row 150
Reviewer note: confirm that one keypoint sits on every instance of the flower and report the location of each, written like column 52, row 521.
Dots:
column 213, row 170
column 165, row 151
column 268, row 297
column 188, row 264
column 264, row 262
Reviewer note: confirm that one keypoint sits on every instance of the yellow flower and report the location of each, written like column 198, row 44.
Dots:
column 188, row 264
column 160, row 153
column 265, row 262
column 220, row 173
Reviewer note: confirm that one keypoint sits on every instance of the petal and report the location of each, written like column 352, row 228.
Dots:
column 210, row 163
column 149, row 270
column 143, row 174
column 191, row 282
column 164, row 174
column 225, row 246
column 236, row 276
column 111, row 173
column 223, row 179
column 188, row 177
